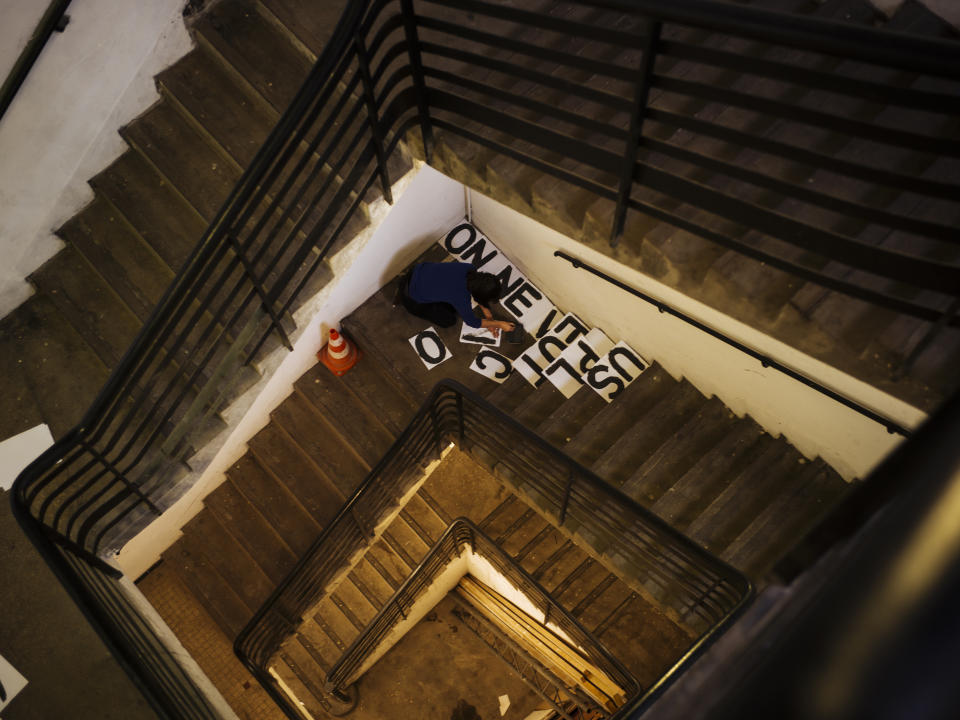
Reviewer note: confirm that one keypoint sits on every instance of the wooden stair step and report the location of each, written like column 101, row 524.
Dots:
column 216, row 596
column 339, row 626
column 201, row 174
column 356, row 606
column 252, row 530
column 679, row 453
column 61, row 371
column 21, row 410
column 298, row 672
column 540, row 405
column 658, row 423
column 775, row 530
column 641, row 637
column 595, row 609
column 310, row 431
column 255, row 49
column 317, row 643
column 278, row 454
column 311, row 25
column 580, row 583
column 510, row 393
column 204, row 534
column 391, row 566
column 502, row 517
column 696, row 488
column 558, row 566
column 356, row 424
column 617, row 417
column 89, row 303
column 406, row 542
column 370, row 384
column 572, row 416
column 523, row 537
column 746, row 496
column 371, row 583
column 282, row 511
column 154, row 209
column 218, row 106
column 136, row 273
column 422, row 517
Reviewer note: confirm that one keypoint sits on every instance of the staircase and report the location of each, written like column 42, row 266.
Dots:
column 152, row 205
column 882, row 347
column 741, row 493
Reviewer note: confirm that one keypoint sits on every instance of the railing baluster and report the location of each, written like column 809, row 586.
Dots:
column 649, row 49
column 419, row 82
column 268, row 308
column 373, row 116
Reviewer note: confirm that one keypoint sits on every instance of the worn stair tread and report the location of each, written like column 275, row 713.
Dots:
column 282, row 511
column 359, row 608
column 280, row 456
column 642, row 638
column 746, row 496
column 312, row 434
column 305, row 682
column 330, row 616
column 89, row 303
column 368, row 382
column 556, row 568
column 21, row 411
column 370, row 581
column 510, row 393
column 354, row 422
column 136, row 273
column 255, row 49
column 389, row 564
column 599, row 607
column 521, row 541
column 571, row 417
column 201, row 174
column 420, row 515
column 659, row 422
column 252, row 530
column 577, row 587
column 617, row 417
column 317, row 643
column 217, row 105
column 310, row 24
column 61, row 371
column 776, row 529
column 215, row 595
column 691, row 493
column 154, row 209
column 678, row 453
column 299, row 683
column 540, row 405
column 204, row 534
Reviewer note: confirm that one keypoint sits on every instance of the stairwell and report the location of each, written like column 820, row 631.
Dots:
column 739, row 492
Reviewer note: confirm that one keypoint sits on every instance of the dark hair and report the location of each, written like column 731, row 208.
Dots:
column 484, row 287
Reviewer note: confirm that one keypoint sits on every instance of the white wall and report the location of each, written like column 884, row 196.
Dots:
column 427, row 205
column 20, row 19
column 62, row 126
column 813, row 423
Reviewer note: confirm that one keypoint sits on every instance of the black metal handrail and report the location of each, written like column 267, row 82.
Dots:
column 891, row 425
column 462, row 535
column 698, row 590
column 395, row 70
column 54, row 19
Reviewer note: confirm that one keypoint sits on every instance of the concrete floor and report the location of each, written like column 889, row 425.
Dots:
column 69, row 671
column 442, row 671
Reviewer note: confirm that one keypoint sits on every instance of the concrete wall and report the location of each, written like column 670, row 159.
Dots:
column 816, row 425
column 62, row 126
column 427, row 205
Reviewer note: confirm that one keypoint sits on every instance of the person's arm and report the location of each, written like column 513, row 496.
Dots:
column 495, row 326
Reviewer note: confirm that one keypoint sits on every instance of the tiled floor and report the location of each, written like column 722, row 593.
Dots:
column 208, row 646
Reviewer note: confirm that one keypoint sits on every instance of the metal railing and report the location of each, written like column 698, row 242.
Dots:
column 462, row 536
column 891, row 425
column 699, row 591
column 54, row 19
column 590, row 97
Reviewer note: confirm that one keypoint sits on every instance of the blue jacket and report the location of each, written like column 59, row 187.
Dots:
column 444, row 282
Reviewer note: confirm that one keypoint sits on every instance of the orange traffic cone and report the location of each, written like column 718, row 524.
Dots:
column 339, row 354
